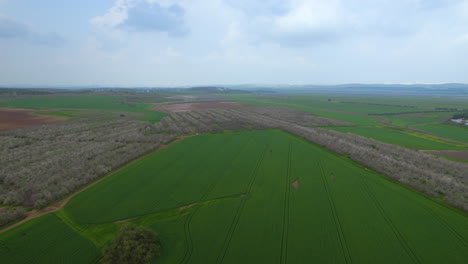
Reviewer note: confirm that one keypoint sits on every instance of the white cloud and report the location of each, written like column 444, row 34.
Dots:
column 312, row 15
column 116, row 15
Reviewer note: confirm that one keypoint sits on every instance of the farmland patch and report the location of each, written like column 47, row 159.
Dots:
column 239, row 206
column 197, row 106
column 11, row 118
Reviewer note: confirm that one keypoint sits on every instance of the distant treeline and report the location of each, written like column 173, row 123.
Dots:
column 438, row 110
column 38, row 91
column 461, row 115
column 393, row 105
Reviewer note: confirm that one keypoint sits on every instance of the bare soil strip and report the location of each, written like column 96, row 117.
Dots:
column 458, row 154
column 197, row 106
column 12, row 118
column 59, row 204
column 187, row 206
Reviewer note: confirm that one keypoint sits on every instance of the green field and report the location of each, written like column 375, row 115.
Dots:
column 46, row 240
column 229, row 198
column 399, row 138
column 89, row 102
column 393, row 129
column 453, row 132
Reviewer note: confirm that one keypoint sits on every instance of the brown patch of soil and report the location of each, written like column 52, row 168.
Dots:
column 59, row 204
column 16, row 118
column 332, row 176
column 296, row 184
column 187, row 206
column 458, row 154
column 197, row 106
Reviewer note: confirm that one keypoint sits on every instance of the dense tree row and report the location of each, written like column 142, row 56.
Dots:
column 418, row 112
column 431, row 175
column 461, row 115
column 219, row 120
column 8, row 215
column 41, row 164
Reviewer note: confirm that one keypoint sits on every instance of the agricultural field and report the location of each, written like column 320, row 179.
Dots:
column 12, row 118
column 264, row 197
column 88, row 102
column 449, row 131
column 413, row 122
column 399, row 137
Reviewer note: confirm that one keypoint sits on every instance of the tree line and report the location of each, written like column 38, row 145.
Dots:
column 41, row 164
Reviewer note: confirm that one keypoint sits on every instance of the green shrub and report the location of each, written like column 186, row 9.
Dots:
column 133, row 245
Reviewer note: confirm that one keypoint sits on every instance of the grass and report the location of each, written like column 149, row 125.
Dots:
column 448, row 131
column 356, row 109
column 46, row 240
column 399, row 138
column 88, row 102
column 245, row 209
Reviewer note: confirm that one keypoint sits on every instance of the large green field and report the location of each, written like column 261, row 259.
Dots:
column 391, row 119
column 230, row 198
column 402, row 138
column 453, row 132
column 89, row 102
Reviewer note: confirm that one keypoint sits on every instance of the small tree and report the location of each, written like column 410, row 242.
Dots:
column 133, row 245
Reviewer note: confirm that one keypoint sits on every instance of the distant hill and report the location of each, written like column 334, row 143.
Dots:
column 448, row 89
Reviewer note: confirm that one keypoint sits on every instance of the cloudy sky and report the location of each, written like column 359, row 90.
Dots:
column 205, row 42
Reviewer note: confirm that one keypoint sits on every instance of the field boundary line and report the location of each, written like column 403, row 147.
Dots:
column 389, row 221
column 61, row 203
column 438, row 217
column 284, row 238
column 188, row 220
column 239, row 210
column 336, row 219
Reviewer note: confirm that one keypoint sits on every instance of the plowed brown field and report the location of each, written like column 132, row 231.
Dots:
column 16, row 118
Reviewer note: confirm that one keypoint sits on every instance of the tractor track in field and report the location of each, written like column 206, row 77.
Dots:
column 336, row 219
column 188, row 220
column 61, row 203
column 239, row 210
column 446, row 224
column 389, row 221
column 284, row 238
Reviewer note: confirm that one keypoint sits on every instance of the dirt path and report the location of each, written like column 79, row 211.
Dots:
column 59, row 204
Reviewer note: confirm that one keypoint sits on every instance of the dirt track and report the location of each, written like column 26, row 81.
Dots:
column 59, row 204
column 197, row 106
column 11, row 118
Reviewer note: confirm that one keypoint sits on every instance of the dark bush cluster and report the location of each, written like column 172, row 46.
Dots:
column 133, row 245
column 461, row 115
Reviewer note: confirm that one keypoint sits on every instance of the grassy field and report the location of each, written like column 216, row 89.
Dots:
column 90, row 102
column 46, row 240
column 399, row 137
column 231, row 198
column 448, row 131
column 370, row 115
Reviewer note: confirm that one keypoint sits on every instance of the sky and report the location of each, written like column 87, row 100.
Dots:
column 168, row 43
